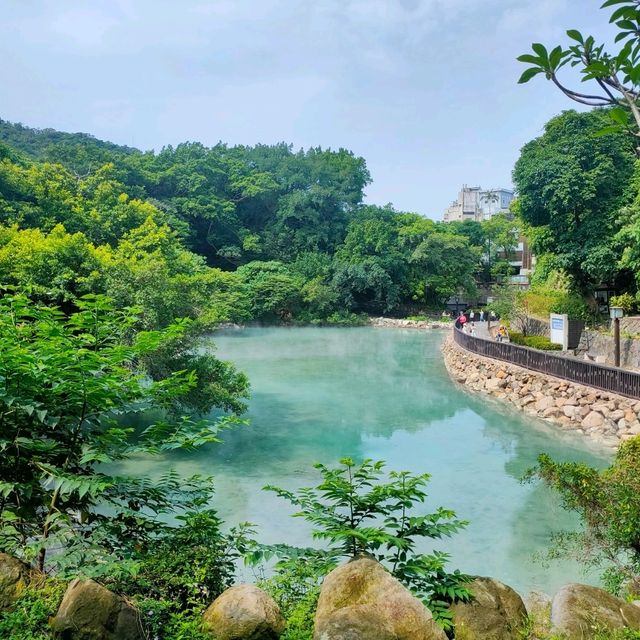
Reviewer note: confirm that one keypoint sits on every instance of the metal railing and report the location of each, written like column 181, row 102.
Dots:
column 625, row 383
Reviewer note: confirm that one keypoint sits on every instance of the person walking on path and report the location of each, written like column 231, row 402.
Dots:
column 461, row 321
column 472, row 315
column 481, row 315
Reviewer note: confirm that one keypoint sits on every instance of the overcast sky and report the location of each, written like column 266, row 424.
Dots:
column 425, row 90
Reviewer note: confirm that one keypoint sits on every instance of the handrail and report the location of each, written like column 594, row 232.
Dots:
column 624, row 383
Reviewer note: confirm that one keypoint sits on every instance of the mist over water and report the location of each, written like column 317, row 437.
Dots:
column 320, row 394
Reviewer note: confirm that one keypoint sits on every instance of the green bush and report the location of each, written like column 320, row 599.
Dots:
column 346, row 319
column 535, row 342
column 184, row 570
column 357, row 512
column 573, row 305
column 296, row 588
column 626, row 301
column 608, row 504
column 29, row 619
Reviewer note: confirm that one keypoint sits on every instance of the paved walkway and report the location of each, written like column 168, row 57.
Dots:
column 482, row 330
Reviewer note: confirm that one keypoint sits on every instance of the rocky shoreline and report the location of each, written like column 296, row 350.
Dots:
column 401, row 323
column 358, row 599
column 606, row 418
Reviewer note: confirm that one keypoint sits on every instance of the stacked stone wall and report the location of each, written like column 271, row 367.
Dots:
column 604, row 417
column 597, row 346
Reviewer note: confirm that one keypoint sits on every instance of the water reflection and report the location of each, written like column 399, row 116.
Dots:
column 320, row 394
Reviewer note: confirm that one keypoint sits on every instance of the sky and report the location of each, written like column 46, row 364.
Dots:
column 425, row 90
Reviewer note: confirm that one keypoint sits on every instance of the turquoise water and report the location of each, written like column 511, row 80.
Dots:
column 321, row 394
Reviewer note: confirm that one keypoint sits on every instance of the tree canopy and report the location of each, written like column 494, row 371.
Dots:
column 571, row 185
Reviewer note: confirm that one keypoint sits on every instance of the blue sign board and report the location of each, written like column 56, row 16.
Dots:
column 557, row 323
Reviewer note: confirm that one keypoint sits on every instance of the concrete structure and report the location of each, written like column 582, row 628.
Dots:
column 476, row 203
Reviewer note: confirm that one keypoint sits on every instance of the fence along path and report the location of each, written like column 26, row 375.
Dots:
column 625, row 383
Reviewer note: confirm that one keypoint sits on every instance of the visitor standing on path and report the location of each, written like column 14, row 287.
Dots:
column 461, row 321
column 481, row 315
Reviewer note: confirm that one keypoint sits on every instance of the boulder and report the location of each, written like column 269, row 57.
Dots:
column 496, row 612
column 361, row 599
column 90, row 612
column 14, row 577
column 545, row 403
column 579, row 610
column 493, row 384
column 244, row 612
column 592, row 420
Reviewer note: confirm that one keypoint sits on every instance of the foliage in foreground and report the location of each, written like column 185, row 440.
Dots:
column 612, row 77
column 66, row 384
column 295, row 586
column 608, row 503
column 29, row 619
column 356, row 512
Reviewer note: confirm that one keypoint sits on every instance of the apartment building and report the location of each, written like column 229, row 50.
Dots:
column 476, row 203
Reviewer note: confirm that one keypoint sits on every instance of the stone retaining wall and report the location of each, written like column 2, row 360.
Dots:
column 605, row 417
column 630, row 324
column 595, row 344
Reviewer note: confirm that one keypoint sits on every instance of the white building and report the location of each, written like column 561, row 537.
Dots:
column 476, row 203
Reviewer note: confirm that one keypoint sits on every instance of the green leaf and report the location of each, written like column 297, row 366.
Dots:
column 528, row 74
column 607, row 130
column 622, row 35
column 575, row 35
column 541, row 50
column 619, row 115
column 611, row 3
column 626, row 24
column 527, row 57
column 555, row 57
column 624, row 12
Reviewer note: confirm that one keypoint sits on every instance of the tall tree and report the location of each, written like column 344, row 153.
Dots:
column 571, row 184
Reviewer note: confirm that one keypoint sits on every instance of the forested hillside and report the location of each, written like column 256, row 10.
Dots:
column 232, row 233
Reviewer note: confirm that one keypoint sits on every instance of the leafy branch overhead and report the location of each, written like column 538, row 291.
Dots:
column 614, row 77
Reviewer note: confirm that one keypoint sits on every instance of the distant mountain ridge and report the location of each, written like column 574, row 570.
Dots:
column 36, row 143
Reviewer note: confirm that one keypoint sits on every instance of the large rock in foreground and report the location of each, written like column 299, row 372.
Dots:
column 244, row 612
column 361, row 600
column 90, row 612
column 14, row 578
column 496, row 612
column 578, row 610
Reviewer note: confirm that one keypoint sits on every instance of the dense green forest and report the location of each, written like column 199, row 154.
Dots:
column 264, row 232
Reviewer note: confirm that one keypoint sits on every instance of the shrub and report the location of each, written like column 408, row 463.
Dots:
column 626, row 301
column 535, row 342
column 573, row 305
column 29, row 619
column 346, row 319
column 358, row 513
column 296, row 588
column 608, row 504
column 185, row 569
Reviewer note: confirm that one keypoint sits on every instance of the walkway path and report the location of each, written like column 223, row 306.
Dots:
column 482, row 330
